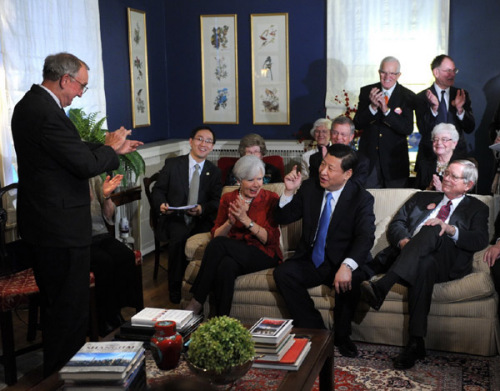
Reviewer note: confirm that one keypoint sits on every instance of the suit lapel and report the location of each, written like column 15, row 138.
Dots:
column 436, row 199
column 183, row 175
column 316, row 202
column 458, row 213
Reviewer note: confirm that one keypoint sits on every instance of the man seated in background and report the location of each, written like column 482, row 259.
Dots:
column 187, row 180
column 343, row 133
column 338, row 226
column 432, row 239
column 321, row 134
column 254, row 144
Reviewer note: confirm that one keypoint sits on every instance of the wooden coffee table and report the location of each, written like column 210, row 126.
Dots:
column 318, row 362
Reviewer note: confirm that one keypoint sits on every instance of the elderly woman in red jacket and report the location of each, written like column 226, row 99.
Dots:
column 245, row 238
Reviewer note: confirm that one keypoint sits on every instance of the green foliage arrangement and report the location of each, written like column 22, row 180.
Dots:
column 221, row 343
column 90, row 129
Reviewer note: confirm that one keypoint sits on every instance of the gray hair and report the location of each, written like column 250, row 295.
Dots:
column 469, row 171
column 445, row 128
column 248, row 167
column 252, row 140
column 390, row 59
column 342, row 120
column 321, row 121
column 57, row 65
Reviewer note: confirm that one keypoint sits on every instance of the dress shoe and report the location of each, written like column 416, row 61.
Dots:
column 346, row 347
column 175, row 297
column 372, row 295
column 412, row 352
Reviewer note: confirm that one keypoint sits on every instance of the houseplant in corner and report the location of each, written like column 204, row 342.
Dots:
column 90, row 129
column 221, row 350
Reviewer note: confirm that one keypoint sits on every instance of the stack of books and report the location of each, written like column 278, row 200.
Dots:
column 276, row 347
column 115, row 365
column 141, row 325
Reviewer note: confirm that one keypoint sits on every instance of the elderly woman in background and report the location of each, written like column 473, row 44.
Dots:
column 321, row 133
column 430, row 171
column 245, row 238
column 254, row 144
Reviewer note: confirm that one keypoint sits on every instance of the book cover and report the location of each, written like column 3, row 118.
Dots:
column 270, row 330
column 292, row 360
column 278, row 354
column 103, row 361
column 149, row 316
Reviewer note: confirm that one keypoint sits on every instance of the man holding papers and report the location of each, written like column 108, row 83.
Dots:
column 187, row 180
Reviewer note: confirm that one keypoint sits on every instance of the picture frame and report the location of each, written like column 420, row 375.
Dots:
column 219, row 68
column 270, row 72
column 139, row 77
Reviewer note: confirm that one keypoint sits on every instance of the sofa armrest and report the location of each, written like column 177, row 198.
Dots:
column 195, row 246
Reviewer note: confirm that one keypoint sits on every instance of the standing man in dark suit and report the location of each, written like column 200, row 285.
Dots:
column 337, row 235
column 175, row 187
column 342, row 132
column 54, row 201
column 385, row 116
column 443, row 102
column 432, row 239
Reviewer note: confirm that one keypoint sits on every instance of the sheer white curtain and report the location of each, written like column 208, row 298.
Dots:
column 29, row 31
column 360, row 33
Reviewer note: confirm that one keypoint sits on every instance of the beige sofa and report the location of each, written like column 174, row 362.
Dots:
column 463, row 315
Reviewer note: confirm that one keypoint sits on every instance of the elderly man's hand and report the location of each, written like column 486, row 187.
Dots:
column 492, row 254
column 118, row 141
column 445, row 228
column 343, row 279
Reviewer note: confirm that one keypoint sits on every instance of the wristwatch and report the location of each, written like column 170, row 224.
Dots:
column 250, row 225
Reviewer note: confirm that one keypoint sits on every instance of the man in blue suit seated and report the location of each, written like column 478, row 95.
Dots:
column 433, row 238
column 338, row 228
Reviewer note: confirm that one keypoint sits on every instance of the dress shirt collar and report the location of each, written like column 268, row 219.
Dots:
column 438, row 91
column 52, row 95
column 390, row 90
column 192, row 163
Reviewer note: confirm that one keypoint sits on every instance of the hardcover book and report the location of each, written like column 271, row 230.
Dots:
column 292, row 360
column 149, row 316
column 103, row 361
column 270, row 330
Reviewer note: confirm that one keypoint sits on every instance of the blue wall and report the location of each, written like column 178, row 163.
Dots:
column 175, row 64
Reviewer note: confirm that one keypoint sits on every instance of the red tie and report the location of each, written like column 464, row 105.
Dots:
column 444, row 212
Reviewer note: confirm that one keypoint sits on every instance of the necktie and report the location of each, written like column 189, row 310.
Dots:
column 444, row 211
column 442, row 110
column 318, row 255
column 194, row 186
column 386, row 96
column 323, row 151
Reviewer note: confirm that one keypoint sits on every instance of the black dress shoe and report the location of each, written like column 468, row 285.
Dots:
column 346, row 347
column 175, row 297
column 371, row 295
column 415, row 350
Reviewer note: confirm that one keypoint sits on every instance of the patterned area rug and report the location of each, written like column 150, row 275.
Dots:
column 439, row 371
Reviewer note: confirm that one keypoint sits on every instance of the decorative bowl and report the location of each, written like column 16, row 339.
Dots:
column 229, row 375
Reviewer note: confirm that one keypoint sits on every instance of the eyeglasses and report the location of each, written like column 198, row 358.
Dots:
column 443, row 140
column 453, row 177
column 455, row 71
column 384, row 73
column 82, row 86
column 337, row 134
column 322, row 131
column 202, row 140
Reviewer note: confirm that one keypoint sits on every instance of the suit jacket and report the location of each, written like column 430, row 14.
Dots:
column 470, row 217
column 172, row 187
column 426, row 121
column 384, row 137
column 352, row 226
column 54, row 169
column 360, row 172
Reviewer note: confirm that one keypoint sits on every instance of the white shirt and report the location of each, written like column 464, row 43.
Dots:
column 192, row 163
column 446, row 99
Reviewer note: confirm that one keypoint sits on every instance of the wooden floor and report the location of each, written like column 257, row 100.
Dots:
column 155, row 295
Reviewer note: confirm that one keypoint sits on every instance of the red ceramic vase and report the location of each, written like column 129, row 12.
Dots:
column 166, row 345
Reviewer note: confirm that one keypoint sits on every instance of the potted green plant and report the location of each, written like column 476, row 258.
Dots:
column 90, row 129
column 221, row 350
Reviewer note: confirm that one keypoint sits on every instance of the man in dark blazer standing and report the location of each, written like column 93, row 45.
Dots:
column 385, row 117
column 342, row 132
column 432, row 239
column 443, row 102
column 337, row 235
column 54, row 201
column 173, row 190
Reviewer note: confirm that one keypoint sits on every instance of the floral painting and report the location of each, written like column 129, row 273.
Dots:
column 138, row 54
column 219, row 68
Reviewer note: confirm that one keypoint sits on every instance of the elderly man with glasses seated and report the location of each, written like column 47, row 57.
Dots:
column 188, row 180
column 443, row 102
column 432, row 239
